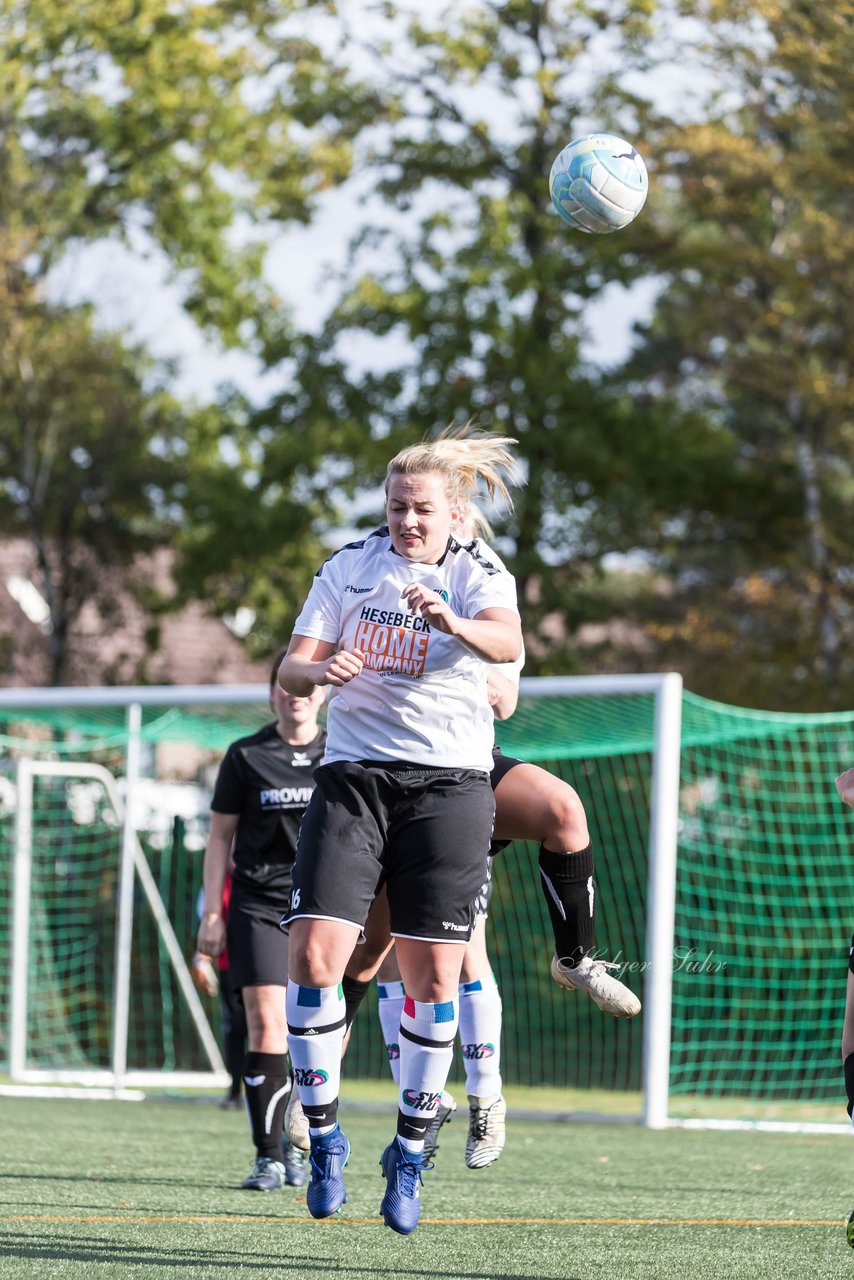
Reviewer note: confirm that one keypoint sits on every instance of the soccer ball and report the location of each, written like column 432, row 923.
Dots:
column 598, row 183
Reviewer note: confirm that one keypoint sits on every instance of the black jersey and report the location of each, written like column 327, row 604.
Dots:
column 267, row 782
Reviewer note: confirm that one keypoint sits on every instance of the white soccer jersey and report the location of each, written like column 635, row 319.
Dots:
column 421, row 696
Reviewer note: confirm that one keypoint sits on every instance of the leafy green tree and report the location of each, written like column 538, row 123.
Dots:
column 179, row 125
column 752, row 330
column 471, row 296
column 87, row 460
column 195, row 129
column 716, row 460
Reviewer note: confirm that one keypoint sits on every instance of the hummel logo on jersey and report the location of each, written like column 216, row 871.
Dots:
column 357, row 591
column 300, row 759
column 286, row 797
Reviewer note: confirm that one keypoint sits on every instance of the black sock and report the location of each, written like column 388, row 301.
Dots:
column 354, row 993
column 849, row 1081
column 569, row 889
column 412, row 1127
column 266, row 1080
column 235, row 1051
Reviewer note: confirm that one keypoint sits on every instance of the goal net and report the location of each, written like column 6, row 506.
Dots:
column 721, row 859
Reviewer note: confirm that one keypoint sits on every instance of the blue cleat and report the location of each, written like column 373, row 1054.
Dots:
column 401, row 1204
column 327, row 1160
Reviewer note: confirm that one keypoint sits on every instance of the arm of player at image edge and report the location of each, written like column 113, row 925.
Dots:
column 210, row 940
column 845, row 786
column 502, row 687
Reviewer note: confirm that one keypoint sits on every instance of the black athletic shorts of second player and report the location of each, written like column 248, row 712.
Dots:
column 501, row 766
column 423, row 832
column 257, row 946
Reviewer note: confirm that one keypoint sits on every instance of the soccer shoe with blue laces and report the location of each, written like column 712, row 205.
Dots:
column 268, row 1175
column 592, row 976
column 401, row 1204
column 295, row 1161
column 446, row 1109
column 327, row 1159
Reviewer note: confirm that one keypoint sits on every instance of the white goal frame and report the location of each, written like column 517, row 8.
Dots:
column 666, row 690
column 134, row 865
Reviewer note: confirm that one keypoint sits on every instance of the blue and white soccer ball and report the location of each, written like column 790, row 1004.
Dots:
column 598, row 183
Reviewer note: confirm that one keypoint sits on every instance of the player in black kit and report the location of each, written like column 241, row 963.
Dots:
column 264, row 783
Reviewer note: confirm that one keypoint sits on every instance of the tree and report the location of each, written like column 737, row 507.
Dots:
column 87, row 441
column 192, row 128
column 752, row 330
column 473, row 295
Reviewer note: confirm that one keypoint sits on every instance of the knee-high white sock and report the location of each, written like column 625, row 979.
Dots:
column 480, row 1036
column 316, row 1025
column 390, row 1007
column 427, row 1034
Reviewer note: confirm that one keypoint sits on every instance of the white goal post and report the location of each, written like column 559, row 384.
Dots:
column 133, row 865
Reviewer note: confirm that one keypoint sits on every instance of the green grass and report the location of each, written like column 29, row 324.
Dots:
column 92, row 1190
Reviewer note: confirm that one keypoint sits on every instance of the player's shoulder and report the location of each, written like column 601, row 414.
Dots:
column 477, row 557
column 375, row 543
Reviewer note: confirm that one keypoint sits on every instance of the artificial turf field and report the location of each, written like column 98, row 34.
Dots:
column 92, row 1190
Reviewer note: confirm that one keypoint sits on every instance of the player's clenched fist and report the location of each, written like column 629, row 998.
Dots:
column 431, row 606
column 343, row 667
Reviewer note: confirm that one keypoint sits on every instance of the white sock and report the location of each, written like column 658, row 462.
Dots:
column 427, row 1034
column 390, row 1007
column 316, row 1058
column 480, row 1036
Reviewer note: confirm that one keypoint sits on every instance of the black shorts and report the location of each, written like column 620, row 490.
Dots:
column 257, row 946
column 501, row 766
column 422, row 832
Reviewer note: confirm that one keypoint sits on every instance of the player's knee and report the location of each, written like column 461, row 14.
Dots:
column 566, row 821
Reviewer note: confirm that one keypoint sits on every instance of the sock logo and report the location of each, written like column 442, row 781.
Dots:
column 423, row 1101
column 393, row 1051
column 474, row 1052
column 310, row 1076
column 253, row 1081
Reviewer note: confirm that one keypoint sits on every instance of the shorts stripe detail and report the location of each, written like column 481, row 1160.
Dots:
column 317, row 1031
column 469, row 988
column 405, row 1034
column 309, row 997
